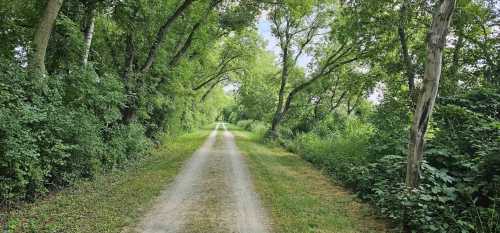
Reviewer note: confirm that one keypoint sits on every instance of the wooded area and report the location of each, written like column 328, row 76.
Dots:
column 397, row 100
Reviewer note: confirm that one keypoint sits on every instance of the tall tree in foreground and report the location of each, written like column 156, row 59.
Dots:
column 88, row 32
column 435, row 44
column 42, row 35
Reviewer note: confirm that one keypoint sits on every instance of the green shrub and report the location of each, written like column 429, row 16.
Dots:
column 259, row 129
column 245, row 124
column 60, row 128
column 127, row 142
column 337, row 151
column 459, row 190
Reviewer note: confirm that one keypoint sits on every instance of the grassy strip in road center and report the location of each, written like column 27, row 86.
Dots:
column 301, row 199
column 112, row 201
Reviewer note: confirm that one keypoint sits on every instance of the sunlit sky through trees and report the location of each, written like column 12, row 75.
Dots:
column 264, row 29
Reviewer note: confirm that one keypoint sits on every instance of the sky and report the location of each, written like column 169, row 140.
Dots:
column 264, row 29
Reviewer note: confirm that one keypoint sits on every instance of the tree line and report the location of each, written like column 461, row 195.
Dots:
column 89, row 86
column 401, row 50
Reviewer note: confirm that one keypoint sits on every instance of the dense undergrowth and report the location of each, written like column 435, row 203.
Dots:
column 460, row 189
column 57, row 129
column 87, row 87
column 61, row 128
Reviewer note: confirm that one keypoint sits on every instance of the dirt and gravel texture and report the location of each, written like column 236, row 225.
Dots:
column 212, row 193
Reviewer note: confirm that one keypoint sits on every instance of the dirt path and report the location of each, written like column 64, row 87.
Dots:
column 213, row 193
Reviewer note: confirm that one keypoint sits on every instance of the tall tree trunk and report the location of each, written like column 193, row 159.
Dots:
column 435, row 44
column 160, row 36
column 88, row 32
column 278, row 115
column 425, row 103
column 128, row 109
column 405, row 54
column 42, row 35
column 128, row 65
column 317, row 110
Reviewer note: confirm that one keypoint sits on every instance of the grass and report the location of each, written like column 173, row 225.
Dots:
column 112, row 202
column 299, row 197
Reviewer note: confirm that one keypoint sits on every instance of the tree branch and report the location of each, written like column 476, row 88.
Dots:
column 160, row 36
column 215, row 77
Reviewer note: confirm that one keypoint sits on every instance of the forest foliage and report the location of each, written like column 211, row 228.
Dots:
column 88, row 86
column 354, row 120
column 116, row 76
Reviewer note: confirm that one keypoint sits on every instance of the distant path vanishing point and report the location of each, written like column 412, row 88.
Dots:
column 212, row 193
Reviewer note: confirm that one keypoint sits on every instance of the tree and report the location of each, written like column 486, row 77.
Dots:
column 162, row 32
column 435, row 45
column 299, row 30
column 42, row 35
column 88, row 32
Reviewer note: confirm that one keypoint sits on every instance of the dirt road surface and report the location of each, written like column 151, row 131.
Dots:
column 213, row 193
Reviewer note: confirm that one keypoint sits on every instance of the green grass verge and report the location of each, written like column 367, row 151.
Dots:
column 112, row 202
column 300, row 198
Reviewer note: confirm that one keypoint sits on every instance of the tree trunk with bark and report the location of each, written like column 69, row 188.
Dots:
column 128, row 110
column 278, row 115
column 425, row 103
column 435, row 44
column 88, row 32
column 185, row 46
column 42, row 35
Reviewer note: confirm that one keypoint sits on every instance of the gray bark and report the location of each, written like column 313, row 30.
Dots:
column 42, row 35
column 128, row 110
column 129, row 57
column 435, row 44
column 88, row 33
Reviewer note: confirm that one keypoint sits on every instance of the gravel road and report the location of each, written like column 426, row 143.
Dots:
column 212, row 194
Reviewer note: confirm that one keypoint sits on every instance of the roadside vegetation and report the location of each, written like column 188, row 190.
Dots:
column 360, row 109
column 365, row 151
column 111, row 202
column 299, row 197
column 89, row 86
